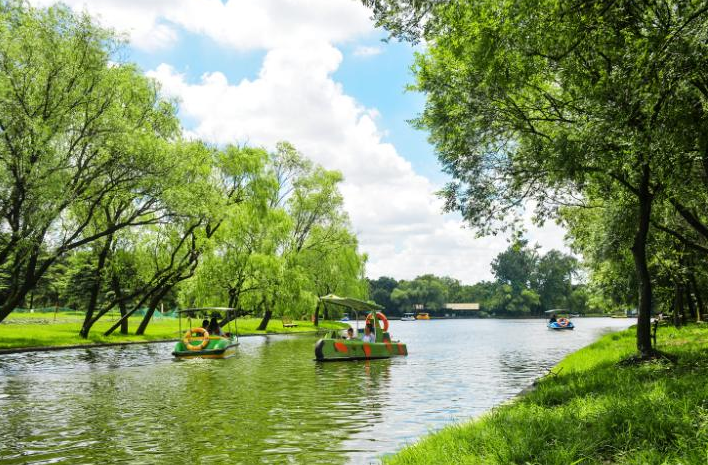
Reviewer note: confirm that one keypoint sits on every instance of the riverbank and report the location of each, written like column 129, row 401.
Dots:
column 37, row 330
column 593, row 410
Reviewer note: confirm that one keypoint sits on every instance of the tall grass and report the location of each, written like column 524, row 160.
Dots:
column 46, row 329
column 593, row 411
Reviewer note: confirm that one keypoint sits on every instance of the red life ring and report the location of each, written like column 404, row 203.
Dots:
column 379, row 316
column 563, row 322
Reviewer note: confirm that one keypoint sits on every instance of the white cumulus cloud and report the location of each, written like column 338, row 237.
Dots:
column 239, row 24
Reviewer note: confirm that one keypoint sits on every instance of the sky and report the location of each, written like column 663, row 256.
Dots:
column 317, row 74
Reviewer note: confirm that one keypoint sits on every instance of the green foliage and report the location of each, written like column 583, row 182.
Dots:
column 588, row 105
column 78, row 129
column 104, row 206
column 526, row 285
column 516, row 265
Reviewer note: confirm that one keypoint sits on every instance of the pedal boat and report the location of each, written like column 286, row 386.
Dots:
column 333, row 347
column 408, row 317
column 422, row 316
column 561, row 324
column 198, row 343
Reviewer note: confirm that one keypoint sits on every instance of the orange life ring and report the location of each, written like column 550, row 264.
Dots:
column 562, row 322
column 379, row 316
column 188, row 338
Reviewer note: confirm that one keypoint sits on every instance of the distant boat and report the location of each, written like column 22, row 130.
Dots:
column 561, row 323
column 422, row 316
column 345, row 318
column 408, row 317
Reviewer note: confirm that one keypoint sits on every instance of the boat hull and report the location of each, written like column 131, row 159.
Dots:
column 330, row 350
column 217, row 348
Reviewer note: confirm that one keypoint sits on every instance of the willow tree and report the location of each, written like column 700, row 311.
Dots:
column 251, row 234
column 76, row 128
column 538, row 101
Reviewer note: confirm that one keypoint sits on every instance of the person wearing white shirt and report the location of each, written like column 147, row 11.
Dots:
column 368, row 335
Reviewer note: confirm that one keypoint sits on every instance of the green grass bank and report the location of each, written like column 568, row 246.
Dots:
column 21, row 330
column 595, row 410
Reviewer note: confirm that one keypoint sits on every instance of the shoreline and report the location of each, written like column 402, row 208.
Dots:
column 17, row 350
column 596, row 406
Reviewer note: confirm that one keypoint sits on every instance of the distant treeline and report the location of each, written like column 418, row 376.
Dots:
column 525, row 284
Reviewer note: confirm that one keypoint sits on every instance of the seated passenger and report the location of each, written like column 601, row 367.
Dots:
column 553, row 318
column 350, row 333
column 205, row 324
column 368, row 334
column 214, row 328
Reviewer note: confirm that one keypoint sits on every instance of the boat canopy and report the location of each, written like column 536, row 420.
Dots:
column 352, row 303
column 557, row 310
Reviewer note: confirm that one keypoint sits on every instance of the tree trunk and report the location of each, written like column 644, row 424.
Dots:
column 115, row 283
column 151, row 309
column 691, row 303
column 678, row 304
column 124, row 318
column 699, row 299
column 317, row 315
column 16, row 294
column 264, row 322
column 232, row 298
column 96, row 288
column 639, row 253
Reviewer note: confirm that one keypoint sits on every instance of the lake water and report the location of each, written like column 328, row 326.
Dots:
column 271, row 403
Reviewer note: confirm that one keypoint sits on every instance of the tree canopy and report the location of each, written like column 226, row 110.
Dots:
column 567, row 105
column 105, row 205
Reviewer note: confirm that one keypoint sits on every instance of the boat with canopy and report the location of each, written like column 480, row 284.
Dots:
column 333, row 347
column 559, row 323
column 210, row 341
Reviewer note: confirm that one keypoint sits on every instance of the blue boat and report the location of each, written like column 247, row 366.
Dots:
column 560, row 324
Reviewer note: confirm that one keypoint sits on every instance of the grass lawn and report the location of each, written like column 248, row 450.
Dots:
column 593, row 411
column 43, row 329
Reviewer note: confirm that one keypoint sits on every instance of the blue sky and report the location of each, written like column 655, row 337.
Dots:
column 315, row 73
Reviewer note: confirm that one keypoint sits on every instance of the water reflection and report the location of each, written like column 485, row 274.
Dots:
column 271, row 403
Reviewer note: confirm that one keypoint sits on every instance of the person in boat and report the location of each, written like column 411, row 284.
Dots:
column 214, row 327
column 368, row 334
column 553, row 318
column 205, row 324
column 350, row 333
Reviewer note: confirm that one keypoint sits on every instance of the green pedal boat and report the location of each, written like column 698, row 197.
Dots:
column 207, row 340
column 334, row 347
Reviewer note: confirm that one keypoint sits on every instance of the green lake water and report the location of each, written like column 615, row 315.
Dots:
column 270, row 403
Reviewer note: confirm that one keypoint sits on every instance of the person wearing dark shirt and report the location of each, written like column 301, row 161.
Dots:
column 214, row 327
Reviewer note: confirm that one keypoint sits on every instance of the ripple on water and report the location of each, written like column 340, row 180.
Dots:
column 270, row 403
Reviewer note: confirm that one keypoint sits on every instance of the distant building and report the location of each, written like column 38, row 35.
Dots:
column 462, row 309
column 462, row 306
